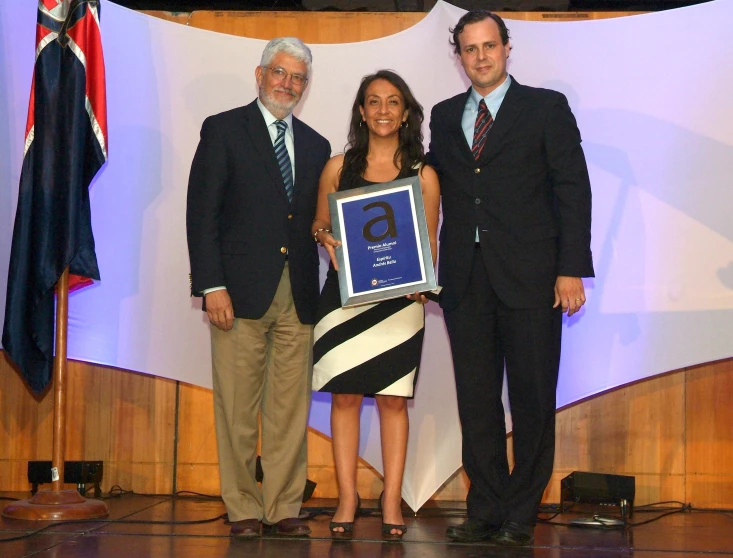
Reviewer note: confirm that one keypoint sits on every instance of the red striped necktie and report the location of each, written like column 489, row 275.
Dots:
column 481, row 129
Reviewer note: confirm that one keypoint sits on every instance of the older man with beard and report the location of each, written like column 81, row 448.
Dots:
column 251, row 200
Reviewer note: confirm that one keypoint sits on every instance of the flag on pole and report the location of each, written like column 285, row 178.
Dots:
column 65, row 146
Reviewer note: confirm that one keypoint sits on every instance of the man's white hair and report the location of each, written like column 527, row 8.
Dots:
column 289, row 45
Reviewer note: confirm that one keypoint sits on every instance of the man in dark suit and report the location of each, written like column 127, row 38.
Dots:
column 514, row 244
column 251, row 200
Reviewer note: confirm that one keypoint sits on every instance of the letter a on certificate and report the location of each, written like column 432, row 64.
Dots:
column 388, row 217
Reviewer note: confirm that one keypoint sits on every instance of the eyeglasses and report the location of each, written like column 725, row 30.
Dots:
column 281, row 75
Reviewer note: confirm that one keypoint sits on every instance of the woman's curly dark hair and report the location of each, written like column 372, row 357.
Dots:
column 410, row 151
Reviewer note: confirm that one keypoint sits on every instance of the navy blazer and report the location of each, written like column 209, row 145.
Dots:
column 240, row 225
column 528, row 194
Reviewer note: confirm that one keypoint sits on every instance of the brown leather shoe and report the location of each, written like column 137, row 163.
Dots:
column 290, row 527
column 246, row 529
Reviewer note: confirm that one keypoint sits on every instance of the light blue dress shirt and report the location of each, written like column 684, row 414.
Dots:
column 493, row 103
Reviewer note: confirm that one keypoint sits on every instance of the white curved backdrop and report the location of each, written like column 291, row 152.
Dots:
column 652, row 95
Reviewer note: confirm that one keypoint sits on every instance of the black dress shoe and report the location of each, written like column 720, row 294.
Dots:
column 514, row 534
column 347, row 526
column 472, row 530
column 387, row 528
column 290, row 527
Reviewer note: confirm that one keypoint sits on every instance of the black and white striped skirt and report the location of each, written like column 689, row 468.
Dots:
column 372, row 349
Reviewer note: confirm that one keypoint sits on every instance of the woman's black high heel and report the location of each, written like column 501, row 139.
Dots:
column 387, row 533
column 347, row 526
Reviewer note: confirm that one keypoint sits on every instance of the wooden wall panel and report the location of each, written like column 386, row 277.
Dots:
column 122, row 418
column 25, row 428
column 198, row 469
column 311, row 27
column 638, row 430
column 142, row 419
column 674, row 433
column 338, row 27
column 709, row 447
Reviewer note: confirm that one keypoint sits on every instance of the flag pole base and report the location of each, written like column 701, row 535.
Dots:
column 53, row 505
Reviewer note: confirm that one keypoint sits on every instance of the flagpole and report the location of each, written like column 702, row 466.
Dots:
column 60, row 369
column 58, row 504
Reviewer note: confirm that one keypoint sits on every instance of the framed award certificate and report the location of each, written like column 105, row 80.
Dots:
column 385, row 248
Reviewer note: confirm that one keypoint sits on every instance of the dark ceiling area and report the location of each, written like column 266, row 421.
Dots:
column 403, row 5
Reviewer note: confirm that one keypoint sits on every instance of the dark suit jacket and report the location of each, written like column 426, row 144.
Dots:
column 239, row 221
column 528, row 194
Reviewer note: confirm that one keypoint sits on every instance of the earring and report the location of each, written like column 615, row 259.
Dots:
column 405, row 124
column 360, row 123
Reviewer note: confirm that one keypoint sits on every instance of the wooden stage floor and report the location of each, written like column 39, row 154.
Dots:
column 143, row 526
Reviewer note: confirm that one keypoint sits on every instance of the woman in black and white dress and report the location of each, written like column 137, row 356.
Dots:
column 374, row 349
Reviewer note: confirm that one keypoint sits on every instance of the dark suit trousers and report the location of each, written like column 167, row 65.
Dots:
column 485, row 335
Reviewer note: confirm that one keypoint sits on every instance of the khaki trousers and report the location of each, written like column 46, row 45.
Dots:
column 263, row 368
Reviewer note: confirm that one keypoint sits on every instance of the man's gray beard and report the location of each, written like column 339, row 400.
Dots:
column 274, row 106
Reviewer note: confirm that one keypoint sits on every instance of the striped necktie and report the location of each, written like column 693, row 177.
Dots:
column 283, row 158
column 481, row 129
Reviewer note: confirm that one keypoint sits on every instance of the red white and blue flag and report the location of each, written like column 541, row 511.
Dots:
column 65, row 146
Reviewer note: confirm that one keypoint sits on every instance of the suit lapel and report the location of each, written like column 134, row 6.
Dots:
column 301, row 154
column 256, row 128
column 510, row 109
column 455, row 120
